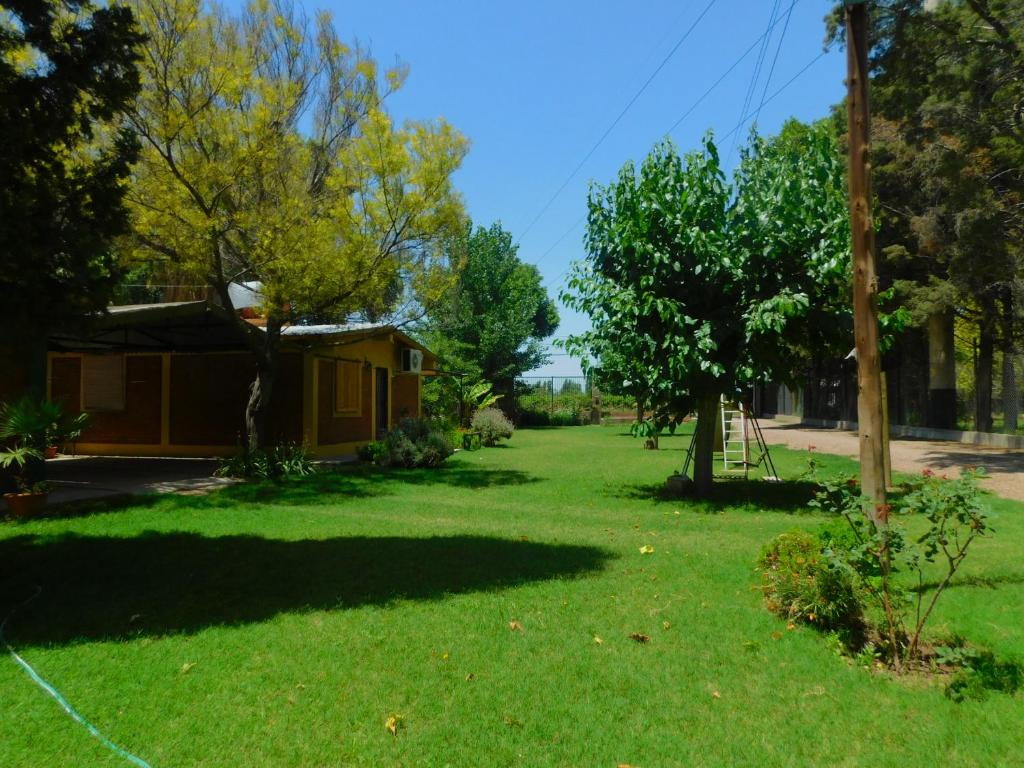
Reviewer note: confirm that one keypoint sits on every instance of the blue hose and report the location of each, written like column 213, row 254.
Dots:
column 59, row 698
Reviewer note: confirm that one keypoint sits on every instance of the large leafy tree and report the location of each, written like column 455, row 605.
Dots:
column 67, row 74
column 492, row 322
column 268, row 156
column 699, row 287
column 948, row 90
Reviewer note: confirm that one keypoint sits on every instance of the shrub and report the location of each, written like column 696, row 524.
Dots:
column 493, row 425
column 801, row 584
column 888, row 568
column 278, row 461
column 413, row 443
column 373, row 452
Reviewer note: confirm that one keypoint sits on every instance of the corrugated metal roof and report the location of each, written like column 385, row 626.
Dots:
column 331, row 329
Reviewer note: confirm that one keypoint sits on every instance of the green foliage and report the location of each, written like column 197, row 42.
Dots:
column 493, row 425
column 695, row 288
column 890, row 564
column 492, row 322
column 415, row 443
column 40, row 423
column 68, row 74
column 801, row 584
column 271, row 463
column 20, row 457
column 373, row 452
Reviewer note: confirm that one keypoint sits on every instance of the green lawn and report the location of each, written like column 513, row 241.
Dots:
column 281, row 626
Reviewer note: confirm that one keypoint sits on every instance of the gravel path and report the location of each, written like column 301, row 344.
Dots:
column 1005, row 467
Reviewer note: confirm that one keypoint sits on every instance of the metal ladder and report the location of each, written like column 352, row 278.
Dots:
column 735, row 439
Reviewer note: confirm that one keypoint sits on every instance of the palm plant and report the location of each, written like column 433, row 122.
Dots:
column 19, row 457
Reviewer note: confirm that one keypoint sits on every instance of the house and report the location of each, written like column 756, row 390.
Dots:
column 173, row 380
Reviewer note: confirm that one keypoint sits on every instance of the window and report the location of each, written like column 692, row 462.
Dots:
column 103, row 382
column 348, row 388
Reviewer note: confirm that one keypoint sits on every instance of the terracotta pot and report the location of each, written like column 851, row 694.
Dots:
column 25, row 505
column 51, row 452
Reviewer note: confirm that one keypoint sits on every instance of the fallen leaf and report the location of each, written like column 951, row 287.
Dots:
column 515, row 626
column 187, row 666
column 444, row 656
column 393, row 723
column 470, row 676
column 625, row 765
column 665, row 625
column 646, row 549
column 598, row 640
column 716, row 694
column 776, row 635
column 524, row 538
column 640, row 637
column 791, row 626
column 512, row 722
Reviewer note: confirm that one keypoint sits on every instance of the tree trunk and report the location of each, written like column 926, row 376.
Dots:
column 1010, row 404
column 941, row 372
column 704, row 444
column 983, row 375
column 262, row 388
column 1011, row 409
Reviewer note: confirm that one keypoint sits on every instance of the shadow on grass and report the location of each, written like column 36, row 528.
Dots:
column 362, row 481
column 98, row 587
column 785, row 496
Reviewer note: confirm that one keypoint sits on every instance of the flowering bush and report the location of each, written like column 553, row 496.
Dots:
column 493, row 425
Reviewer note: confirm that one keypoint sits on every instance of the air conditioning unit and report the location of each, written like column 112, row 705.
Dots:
column 412, row 361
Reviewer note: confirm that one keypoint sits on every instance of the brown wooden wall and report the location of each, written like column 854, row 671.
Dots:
column 138, row 423
column 332, row 429
column 405, row 397
column 209, row 393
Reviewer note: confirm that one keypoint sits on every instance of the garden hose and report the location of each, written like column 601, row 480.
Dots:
column 58, row 697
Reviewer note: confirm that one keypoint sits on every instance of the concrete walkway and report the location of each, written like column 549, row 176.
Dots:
column 87, row 478
column 1005, row 467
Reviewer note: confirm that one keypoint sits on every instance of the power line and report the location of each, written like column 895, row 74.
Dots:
column 678, row 122
column 765, row 40
column 775, row 60
column 616, row 121
column 784, row 86
column 724, row 75
column 737, row 127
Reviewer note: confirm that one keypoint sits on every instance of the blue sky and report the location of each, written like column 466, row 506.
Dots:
column 534, row 85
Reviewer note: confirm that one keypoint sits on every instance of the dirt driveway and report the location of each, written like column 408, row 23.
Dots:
column 1005, row 467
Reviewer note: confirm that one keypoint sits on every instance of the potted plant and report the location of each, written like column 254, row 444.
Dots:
column 28, row 497
column 64, row 429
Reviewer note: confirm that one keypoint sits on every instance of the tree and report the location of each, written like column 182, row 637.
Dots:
column 268, row 156
column 948, row 84
column 705, row 287
column 67, row 74
column 493, row 320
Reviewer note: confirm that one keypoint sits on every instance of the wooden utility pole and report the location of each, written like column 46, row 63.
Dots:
column 870, row 420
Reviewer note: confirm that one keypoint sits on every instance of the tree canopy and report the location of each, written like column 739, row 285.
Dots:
column 268, row 155
column 67, row 74
column 699, row 287
column 492, row 321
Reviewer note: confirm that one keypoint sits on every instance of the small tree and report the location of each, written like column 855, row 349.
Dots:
column 701, row 288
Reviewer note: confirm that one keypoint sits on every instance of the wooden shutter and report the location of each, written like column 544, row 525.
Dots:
column 347, row 387
column 103, row 382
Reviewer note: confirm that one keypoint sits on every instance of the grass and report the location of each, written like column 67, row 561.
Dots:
column 282, row 625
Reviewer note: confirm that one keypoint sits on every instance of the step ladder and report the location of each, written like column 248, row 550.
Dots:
column 735, row 439
column 738, row 426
